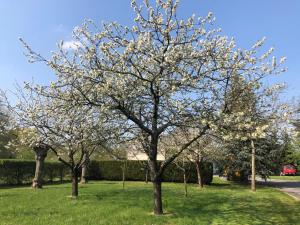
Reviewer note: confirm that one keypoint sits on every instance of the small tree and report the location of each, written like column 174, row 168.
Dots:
column 207, row 149
column 27, row 135
column 180, row 162
column 71, row 133
column 6, row 133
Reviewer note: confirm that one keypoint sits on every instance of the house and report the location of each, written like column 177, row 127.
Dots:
column 135, row 152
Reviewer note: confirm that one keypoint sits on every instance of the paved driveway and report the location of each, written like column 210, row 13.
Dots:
column 292, row 188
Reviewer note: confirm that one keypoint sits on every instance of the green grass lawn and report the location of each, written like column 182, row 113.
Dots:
column 292, row 178
column 107, row 203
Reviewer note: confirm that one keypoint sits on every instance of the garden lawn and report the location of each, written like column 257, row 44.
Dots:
column 105, row 202
column 290, row 178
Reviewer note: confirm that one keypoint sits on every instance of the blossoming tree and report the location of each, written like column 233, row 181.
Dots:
column 71, row 133
column 158, row 75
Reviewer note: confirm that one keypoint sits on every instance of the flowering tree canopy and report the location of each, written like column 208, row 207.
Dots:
column 161, row 74
column 71, row 131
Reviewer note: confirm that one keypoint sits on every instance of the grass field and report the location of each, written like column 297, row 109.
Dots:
column 292, row 178
column 107, row 203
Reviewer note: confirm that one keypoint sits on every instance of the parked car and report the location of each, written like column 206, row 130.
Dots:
column 288, row 170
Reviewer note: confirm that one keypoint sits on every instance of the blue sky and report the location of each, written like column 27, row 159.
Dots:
column 44, row 23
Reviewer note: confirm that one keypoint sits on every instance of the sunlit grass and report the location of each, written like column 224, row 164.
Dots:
column 107, row 203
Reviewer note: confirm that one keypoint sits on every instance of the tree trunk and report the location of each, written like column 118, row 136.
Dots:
column 185, row 184
column 123, row 177
column 74, row 183
column 40, row 155
column 253, row 169
column 158, row 208
column 61, row 175
column 199, row 173
column 146, row 176
column 39, row 166
column 51, row 177
column 83, row 178
column 156, row 181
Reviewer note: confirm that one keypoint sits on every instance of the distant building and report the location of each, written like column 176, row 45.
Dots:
column 137, row 154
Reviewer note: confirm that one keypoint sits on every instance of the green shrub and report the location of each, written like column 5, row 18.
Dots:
column 238, row 176
column 13, row 172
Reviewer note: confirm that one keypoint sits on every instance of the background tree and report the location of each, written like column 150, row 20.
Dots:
column 292, row 142
column 180, row 162
column 207, row 149
column 270, row 152
column 28, row 139
column 7, row 134
column 258, row 113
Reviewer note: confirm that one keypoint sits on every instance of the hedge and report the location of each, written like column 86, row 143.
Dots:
column 136, row 171
column 22, row 172
column 15, row 172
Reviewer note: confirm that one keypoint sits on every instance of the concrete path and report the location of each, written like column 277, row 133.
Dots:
column 291, row 188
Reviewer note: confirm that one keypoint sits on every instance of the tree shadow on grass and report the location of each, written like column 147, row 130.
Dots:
column 28, row 185
column 217, row 203
column 234, row 209
column 107, row 183
column 6, row 186
column 127, row 193
column 219, row 185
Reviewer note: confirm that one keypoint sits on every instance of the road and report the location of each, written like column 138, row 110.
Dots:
column 292, row 188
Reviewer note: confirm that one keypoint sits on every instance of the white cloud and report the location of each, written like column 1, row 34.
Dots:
column 71, row 45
